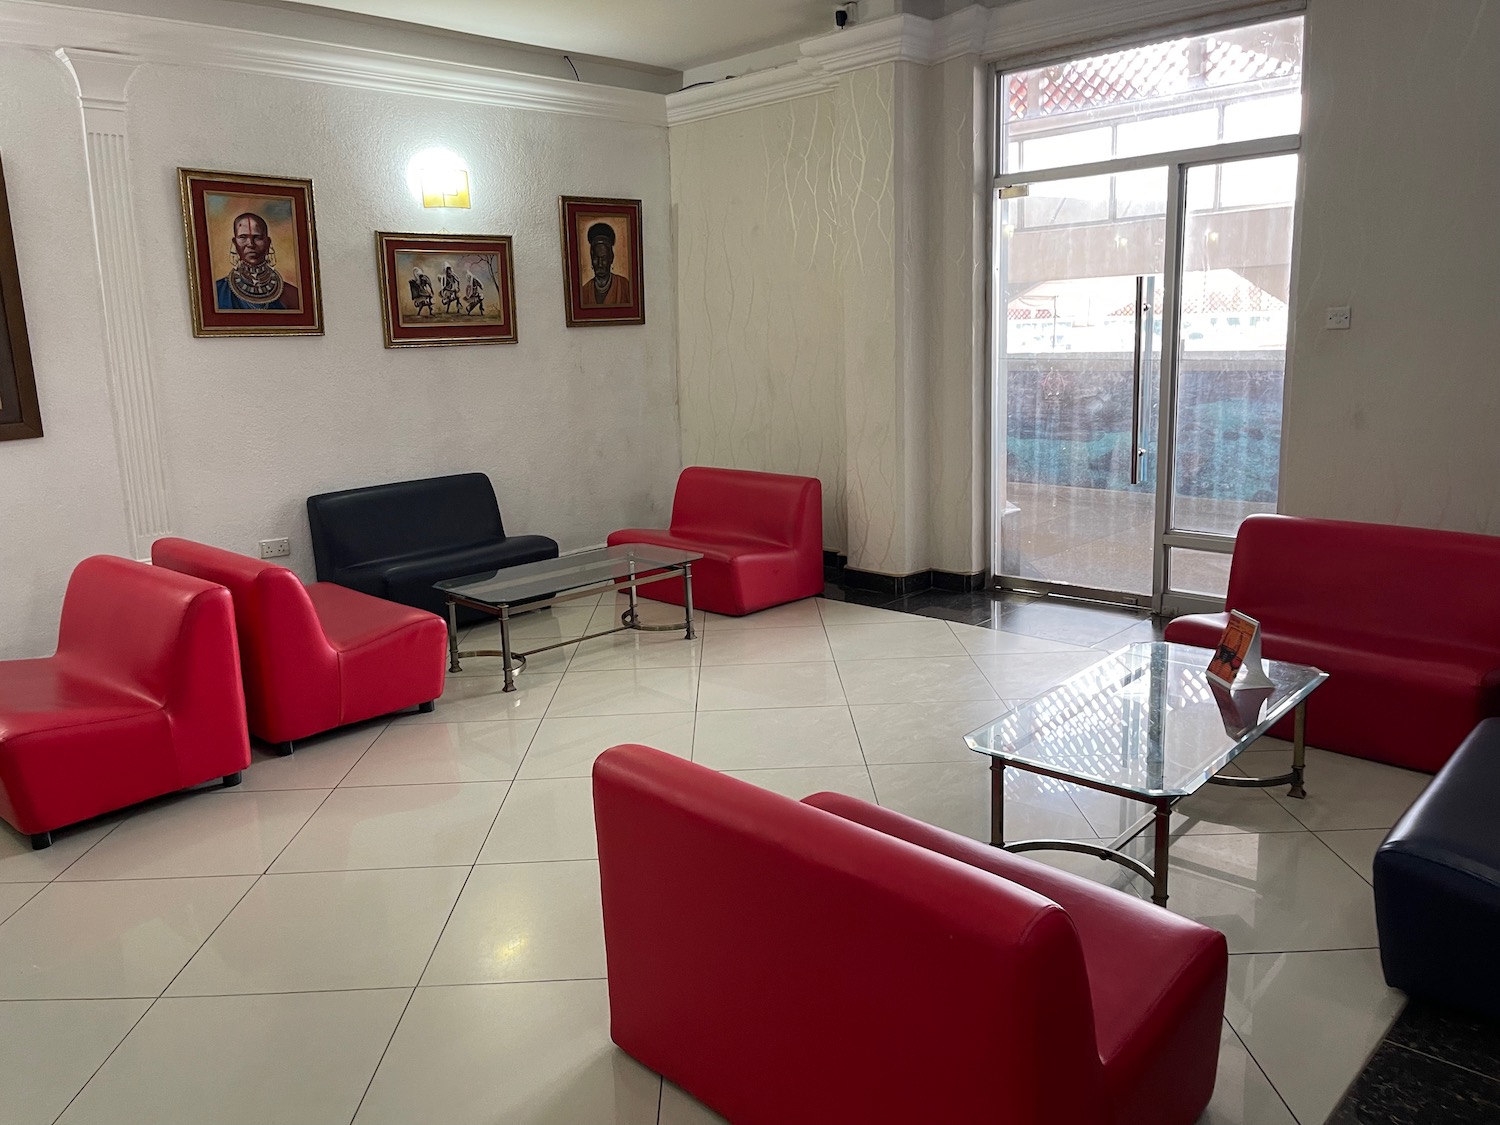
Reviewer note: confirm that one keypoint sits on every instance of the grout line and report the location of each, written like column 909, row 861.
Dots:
column 1249, row 1054
column 1386, row 1042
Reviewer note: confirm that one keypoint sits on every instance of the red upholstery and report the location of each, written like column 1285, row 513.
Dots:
column 142, row 698
column 1404, row 620
column 761, row 535
column 317, row 657
column 789, row 966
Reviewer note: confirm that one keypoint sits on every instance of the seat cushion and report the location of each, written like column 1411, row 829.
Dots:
column 391, row 656
column 1157, row 980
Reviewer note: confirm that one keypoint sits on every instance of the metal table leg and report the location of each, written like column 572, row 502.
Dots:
column 997, row 802
column 1159, row 866
column 1299, row 749
column 687, row 597
column 510, row 675
column 453, row 637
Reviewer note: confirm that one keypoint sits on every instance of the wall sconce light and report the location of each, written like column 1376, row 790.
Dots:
column 439, row 178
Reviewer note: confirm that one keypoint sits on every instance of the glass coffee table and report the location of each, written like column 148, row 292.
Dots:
column 1148, row 724
column 515, row 590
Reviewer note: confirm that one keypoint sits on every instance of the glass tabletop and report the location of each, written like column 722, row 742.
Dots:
column 1146, row 720
column 512, row 584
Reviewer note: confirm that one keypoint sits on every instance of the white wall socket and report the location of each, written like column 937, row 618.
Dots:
column 275, row 548
column 1336, row 317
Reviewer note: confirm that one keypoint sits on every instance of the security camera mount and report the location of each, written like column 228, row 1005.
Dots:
column 845, row 14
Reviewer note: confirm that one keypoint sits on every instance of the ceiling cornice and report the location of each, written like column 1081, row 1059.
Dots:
column 154, row 39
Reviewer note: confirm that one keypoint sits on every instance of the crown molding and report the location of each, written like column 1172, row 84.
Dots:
column 900, row 38
column 764, row 87
column 154, row 39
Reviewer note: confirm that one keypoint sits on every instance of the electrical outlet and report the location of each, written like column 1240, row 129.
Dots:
column 1336, row 317
column 275, row 548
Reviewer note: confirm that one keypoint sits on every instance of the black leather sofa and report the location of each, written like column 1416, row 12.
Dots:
column 395, row 540
column 1437, row 883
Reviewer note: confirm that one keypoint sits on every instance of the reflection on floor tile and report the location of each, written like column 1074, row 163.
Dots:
column 628, row 691
column 1342, row 792
column 483, row 698
column 895, row 733
column 934, row 679
column 956, row 796
column 567, row 747
column 737, row 686
column 544, row 819
column 1242, row 1094
column 770, row 737
column 320, row 762
column 445, row 752
column 523, row 1054
column 680, row 1108
column 20, row 863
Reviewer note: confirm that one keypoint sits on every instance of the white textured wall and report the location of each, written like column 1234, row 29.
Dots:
column 60, row 495
column 1398, row 419
column 576, row 427
column 760, row 321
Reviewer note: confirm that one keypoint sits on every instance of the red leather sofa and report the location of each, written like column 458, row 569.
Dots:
column 142, row 698
column 761, row 536
column 321, row 656
column 834, row 963
column 1404, row 620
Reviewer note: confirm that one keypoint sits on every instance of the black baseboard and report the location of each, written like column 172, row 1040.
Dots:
column 900, row 585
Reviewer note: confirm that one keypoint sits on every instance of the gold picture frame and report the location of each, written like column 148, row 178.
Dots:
column 442, row 289
column 20, row 414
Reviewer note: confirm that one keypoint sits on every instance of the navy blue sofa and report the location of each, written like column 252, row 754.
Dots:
column 395, row 540
column 1437, row 883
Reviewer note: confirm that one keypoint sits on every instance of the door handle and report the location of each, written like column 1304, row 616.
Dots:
column 1136, row 452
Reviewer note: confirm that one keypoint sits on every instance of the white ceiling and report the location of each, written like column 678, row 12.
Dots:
column 672, row 34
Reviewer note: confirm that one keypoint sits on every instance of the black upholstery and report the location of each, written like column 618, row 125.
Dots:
column 1437, row 883
column 395, row 540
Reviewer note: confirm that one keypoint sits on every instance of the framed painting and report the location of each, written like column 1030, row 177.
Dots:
column 603, row 272
column 446, row 289
column 20, row 416
column 252, row 254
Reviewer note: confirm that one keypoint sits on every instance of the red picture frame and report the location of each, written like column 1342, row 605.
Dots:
column 252, row 254
column 446, row 289
column 20, row 414
column 603, row 263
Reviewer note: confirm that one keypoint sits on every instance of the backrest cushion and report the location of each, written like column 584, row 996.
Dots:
column 778, row 508
column 392, row 521
column 1368, row 578
column 793, row 968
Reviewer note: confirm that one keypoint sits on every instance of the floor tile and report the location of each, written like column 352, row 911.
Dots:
column 980, row 640
column 112, row 939
column 1271, row 891
column 770, row 737
column 734, row 687
column 244, row 1060
column 522, row 1054
column 894, row 733
column 636, row 650
column 528, row 630
column 445, row 752
column 791, row 615
column 766, row 646
column 523, row 921
column 1057, row 621
column 956, row 796
column 21, row 863
column 851, row 613
column 56, row 1045
column 545, row 819
column 326, row 930
column 1213, row 809
column 1357, row 848
column 1242, row 1093
column 320, row 762
column 567, row 747
column 625, row 692
column 1342, row 792
column 939, row 679
column 1456, row 1037
column 680, row 1108
column 1310, row 1020
column 648, row 612
column 1024, row 675
column 396, row 826
column 1401, row 1087
column 13, row 896
column 215, row 832
column 484, row 698
column 903, row 640
column 552, row 660
column 802, row 782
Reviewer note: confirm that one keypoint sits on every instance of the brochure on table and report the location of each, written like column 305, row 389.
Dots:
column 1236, row 662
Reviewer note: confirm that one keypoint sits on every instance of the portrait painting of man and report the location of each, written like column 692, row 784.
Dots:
column 602, row 261
column 251, row 259
column 446, row 290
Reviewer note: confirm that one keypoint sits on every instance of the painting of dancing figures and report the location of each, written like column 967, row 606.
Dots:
column 446, row 290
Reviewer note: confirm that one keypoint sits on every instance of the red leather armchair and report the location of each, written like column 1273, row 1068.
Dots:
column 834, row 963
column 761, row 536
column 142, row 698
column 1403, row 619
column 321, row 656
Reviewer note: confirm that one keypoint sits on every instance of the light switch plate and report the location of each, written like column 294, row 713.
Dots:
column 1337, row 317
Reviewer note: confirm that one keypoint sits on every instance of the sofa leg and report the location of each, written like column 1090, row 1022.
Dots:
column 40, row 840
column 233, row 779
column 427, row 708
column 285, row 749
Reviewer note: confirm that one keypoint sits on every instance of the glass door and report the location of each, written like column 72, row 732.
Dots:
column 1083, row 263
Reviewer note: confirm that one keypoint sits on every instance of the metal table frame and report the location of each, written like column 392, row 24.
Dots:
column 630, row 619
column 1160, row 817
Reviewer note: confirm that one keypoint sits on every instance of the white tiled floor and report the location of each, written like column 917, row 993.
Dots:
column 401, row 924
